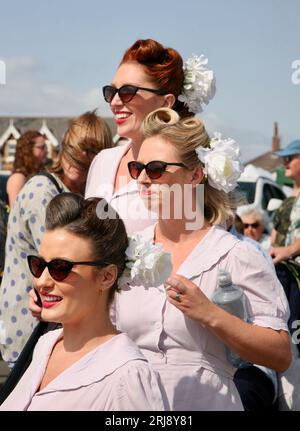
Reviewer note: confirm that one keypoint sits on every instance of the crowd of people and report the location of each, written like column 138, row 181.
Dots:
column 121, row 248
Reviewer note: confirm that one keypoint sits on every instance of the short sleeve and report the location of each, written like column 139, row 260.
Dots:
column 266, row 302
column 138, row 389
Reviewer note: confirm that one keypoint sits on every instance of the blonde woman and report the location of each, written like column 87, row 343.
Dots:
column 177, row 326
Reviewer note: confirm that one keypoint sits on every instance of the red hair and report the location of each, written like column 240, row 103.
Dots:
column 24, row 161
column 163, row 65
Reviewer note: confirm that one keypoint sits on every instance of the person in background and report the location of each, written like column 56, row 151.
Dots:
column 176, row 325
column 286, row 258
column 149, row 76
column 281, row 221
column 88, row 364
column 254, row 227
column 30, row 158
column 86, row 136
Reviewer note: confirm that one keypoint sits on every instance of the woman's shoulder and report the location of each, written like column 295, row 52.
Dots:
column 47, row 341
column 15, row 179
column 40, row 184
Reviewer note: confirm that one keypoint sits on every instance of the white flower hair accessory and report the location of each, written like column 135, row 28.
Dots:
column 199, row 84
column 147, row 264
column 222, row 163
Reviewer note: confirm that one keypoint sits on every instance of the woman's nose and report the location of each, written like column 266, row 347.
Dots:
column 143, row 178
column 45, row 281
column 116, row 101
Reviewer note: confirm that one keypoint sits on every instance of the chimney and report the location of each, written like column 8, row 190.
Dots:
column 275, row 140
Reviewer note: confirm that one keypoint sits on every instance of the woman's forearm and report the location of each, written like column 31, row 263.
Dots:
column 256, row 344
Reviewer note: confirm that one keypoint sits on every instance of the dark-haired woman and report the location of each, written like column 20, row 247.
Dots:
column 87, row 365
column 149, row 77
column 86, row 136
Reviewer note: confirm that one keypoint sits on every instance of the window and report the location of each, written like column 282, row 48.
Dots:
column 248, row 190
column 270, row 192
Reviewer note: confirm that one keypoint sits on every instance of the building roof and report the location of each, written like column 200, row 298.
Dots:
column 56, row 125
column 269, row 161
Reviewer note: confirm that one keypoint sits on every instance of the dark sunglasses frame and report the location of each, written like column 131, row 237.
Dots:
column 152, row 171
column 253, row 225
column 288, row 159
column 126, row 96
column 54, row 270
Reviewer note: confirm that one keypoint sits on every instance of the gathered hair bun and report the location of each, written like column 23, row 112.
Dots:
column 157, row 119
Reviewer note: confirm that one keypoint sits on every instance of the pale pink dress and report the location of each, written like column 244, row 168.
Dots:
column 113, row 377
column 190, row 359
column 126, row 200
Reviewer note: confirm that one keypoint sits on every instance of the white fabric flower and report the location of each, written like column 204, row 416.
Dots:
column 222, row 163
column 147, row 264
column 199, row 85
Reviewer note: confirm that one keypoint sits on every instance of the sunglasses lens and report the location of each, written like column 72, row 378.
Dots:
column 36, row 265
column 135, row 169
column 155, row 170
column 109, row 93
column 59, row 269
column 127, row 92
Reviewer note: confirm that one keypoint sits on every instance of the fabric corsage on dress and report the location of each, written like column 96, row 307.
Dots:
column 222, row 164
column 199, row 85
column 147, row 264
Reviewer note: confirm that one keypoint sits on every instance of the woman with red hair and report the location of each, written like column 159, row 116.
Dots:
column 30, row 158
column 149, row 77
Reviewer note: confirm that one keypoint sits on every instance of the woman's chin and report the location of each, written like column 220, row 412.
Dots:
column 151, row 202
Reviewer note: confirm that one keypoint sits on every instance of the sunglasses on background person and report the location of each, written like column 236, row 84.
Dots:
column 288, row 159
column 253, row 225
column 126, row 92
column 154, row 169
column 59, row 269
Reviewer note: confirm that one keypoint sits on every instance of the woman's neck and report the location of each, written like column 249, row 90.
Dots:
column 136, row 143
column 178, row 231
column 74, row 187
column 87, row 334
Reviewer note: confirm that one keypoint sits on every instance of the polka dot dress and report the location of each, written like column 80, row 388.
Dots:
column 25, row 231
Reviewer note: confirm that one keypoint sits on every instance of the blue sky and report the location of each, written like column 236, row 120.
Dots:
column 59, row 54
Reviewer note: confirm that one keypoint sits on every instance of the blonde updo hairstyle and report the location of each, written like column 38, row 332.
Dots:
column 186, row 135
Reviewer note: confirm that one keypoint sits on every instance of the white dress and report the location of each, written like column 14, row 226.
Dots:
column 190, row 359
column 114, row 376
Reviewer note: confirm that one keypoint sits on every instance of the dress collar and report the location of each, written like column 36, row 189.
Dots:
column 95, row 365
column 207, row 253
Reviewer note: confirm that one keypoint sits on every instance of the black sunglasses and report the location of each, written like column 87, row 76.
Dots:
column 154, row 169
column 254, row 225
column 59, row 269
column 126, row 92
column 288, row 159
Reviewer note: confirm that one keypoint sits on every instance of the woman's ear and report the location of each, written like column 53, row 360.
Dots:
column 169, row 100
column 107, row 276
column 198, row 175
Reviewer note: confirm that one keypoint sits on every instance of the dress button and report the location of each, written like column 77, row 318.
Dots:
column 157, row 325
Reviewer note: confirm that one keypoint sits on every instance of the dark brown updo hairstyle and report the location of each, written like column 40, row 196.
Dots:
column 163, row 65
column 24, row 161
column 107, row 236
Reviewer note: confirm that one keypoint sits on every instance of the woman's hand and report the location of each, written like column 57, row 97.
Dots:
column 33, row 305
column 256, row 344
column 188, row 298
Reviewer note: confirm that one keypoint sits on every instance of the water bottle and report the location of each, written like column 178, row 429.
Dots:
column 232, row 299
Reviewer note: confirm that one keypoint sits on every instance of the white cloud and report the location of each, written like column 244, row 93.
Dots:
column 28, row 93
